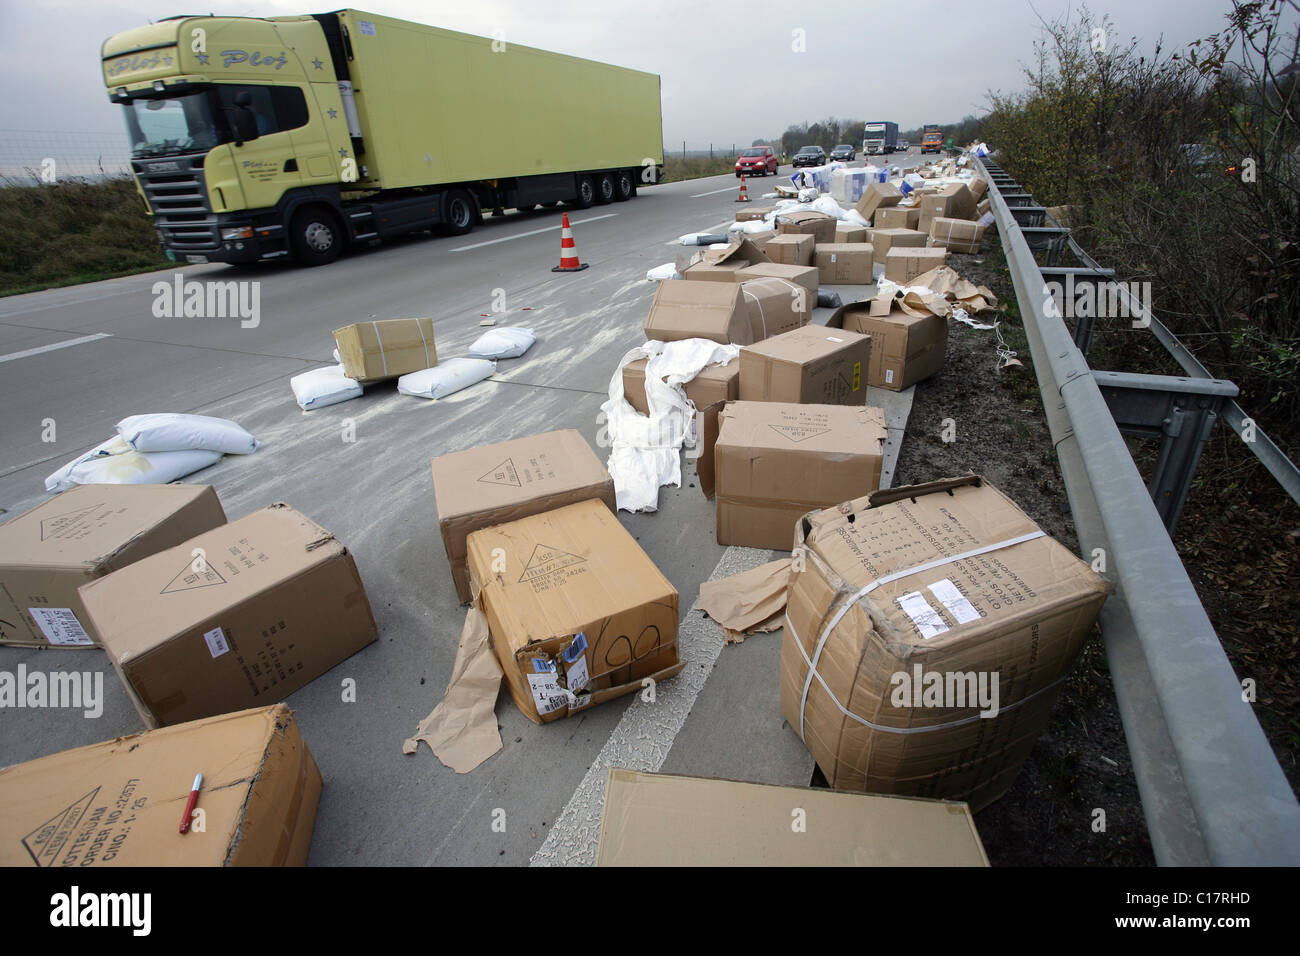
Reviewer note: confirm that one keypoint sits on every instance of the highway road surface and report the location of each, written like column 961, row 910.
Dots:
column 87, row 356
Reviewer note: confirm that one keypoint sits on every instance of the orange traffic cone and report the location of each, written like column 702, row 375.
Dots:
column 744, row 193
column 568, row 251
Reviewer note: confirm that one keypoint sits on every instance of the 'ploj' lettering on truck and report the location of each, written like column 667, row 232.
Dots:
column 300, row 136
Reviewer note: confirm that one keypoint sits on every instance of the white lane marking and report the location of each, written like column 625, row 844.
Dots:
column 12, row 356
column 724, row 189
column 645, row 734
column 534, row 232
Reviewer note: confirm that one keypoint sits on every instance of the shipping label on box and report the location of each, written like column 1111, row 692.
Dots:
column 386, row 348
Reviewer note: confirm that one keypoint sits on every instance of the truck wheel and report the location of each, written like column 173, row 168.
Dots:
column 458, row 213
column 624, row 187
column 604, row 189
column 586, row 193
column 315, row 236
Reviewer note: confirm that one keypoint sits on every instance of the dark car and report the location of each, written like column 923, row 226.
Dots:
column 810, row 156
column 844, row 152
column 756, row 161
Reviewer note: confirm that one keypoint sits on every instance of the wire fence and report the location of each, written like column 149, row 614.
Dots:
column 29, row 157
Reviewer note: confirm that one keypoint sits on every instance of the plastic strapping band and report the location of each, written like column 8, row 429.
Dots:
column 425, row 341
column 887, row 579
column 908, row 730
column 380, row 340
column 761, row 315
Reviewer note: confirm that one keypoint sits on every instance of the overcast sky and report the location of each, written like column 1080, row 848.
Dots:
column 729, row 71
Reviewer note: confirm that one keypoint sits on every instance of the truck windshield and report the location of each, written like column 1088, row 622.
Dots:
column 176, row 124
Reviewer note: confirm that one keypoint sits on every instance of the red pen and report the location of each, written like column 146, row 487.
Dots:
column 189, row 805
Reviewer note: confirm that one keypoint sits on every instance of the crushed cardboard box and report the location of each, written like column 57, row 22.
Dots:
column 120, row 803
column 905, row 348
column 86, row 532
column 387, row 348
column 496, row 483
column 844, row 263
column 809, row 366
column 945, row 283
column 928, row 631
column 241, row 615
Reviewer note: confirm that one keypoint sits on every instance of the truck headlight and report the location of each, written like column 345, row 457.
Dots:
column 237, row 232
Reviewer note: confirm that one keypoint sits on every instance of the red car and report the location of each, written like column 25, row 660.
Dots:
column 756, row 161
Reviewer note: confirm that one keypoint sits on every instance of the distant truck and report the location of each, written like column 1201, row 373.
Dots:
column 299, row 136
column 879, row 138
column 931, row 139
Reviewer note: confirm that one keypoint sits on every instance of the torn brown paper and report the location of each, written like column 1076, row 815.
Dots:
column 462, row 730
column 747, row 602
column 945, row 281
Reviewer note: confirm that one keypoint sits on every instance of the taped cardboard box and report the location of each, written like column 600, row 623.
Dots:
column 904, row 265
column 978, row 187
column 716, row 383
column 956, row 235
column 844, row 263
column 492, row 484
column 577, row 612
column 958, row 621
column 654, row 819
column 755, row 214
column 904, row 348
column 898, row 217
column 892, row 237
column 239, row 616
column 705, row 310
column 120, row 803
column 775, row 306
column 953, row 202
column 807, row 222
column 86, row 532
column 850, row 232
column 386, row 348
column 792, row 249
column 876, row 196
column 761, row 239
column 806, row 276
column 709, row 272
column 775, row 461
column 810, row 366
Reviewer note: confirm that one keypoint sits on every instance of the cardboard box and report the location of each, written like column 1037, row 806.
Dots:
column 705, row 310
column 898, row 217
column 811, row 365
column 761, row 239
column 875, row 196
column 774, row 462
column 753, row 215
column 954, row 201
column 792, row 249
column 714, row 272
column 717, row 383
column 844, row 263
column 386, row 348
column 884, row 239
column 904, row 348
column 978, row 187
column 580, row 615
column 83, row 534
column 806, row 276
column 1018, row 613
column 808, row 221
column 120, row 803
column 903, row 265
column 492, row 484
column 239, row 616
column 850, row 232
column 655, row 819
column 776, row 305
column 956, row 235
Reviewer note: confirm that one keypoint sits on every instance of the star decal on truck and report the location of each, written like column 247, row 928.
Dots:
column 317, row 63
column 334, row 114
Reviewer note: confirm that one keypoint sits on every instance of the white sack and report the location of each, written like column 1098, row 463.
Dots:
column 323, row 386
column 505, row 342
column 167, row 431
column 130, row 467
column 666, row 271
column 450, row 375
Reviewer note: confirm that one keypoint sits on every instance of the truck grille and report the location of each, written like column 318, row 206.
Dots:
column 177, row 194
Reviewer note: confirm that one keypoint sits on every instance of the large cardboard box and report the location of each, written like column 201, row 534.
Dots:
column 577, row 612
column 704, row 310
column 953, row 201
column 883, row 240
column 714, row 272
column 120, row 803
column 808, row 221
column 898, row 217
column 753, row 215
column 956, row 235
column 810, row 366
column 716, row 383
column 776, row 305
column 850, row 232
column 964, row 622
column 792, row 249
column 654, row 819
column 876, row 196
column 386, row 348
column 904, row 265
column 82, row 534
column 806, row 276
column 774, row 462
column 236, row 617
column 492, row 484
column 845, row 263
column 904, row 348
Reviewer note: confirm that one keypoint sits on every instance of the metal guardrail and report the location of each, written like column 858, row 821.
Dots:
column 1212, row 791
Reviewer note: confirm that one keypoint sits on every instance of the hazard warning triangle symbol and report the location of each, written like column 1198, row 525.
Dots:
column 503, row 474
column 547, row 560
column 55, row 525
column 195, row 574
column 47, row 841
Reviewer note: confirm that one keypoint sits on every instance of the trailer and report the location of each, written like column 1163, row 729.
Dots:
column 879, row 138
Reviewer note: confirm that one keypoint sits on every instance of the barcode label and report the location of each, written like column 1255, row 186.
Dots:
column 216, row 639
column 548, row 695
column 60, row 626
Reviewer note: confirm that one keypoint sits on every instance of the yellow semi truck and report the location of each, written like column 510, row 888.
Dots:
column 300, row 136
